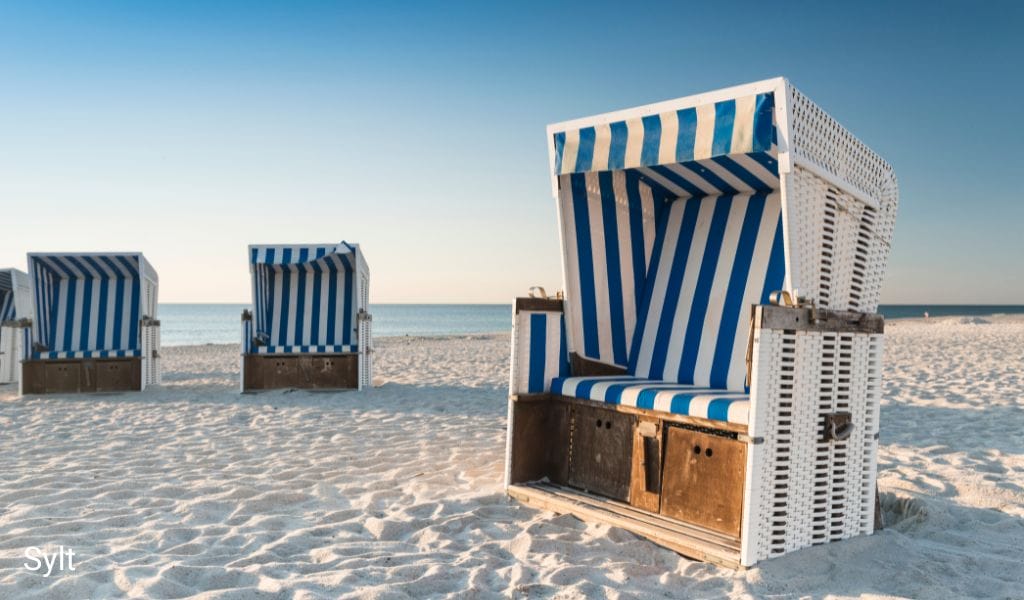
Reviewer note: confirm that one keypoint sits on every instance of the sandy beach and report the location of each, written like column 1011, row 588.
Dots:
column 192, row 489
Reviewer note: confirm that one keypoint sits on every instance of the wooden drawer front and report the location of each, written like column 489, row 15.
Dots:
column 62, row 377
column 703, row 479
column 281, row 371
column 334, row 371
column 601, row 456
column 114, row 375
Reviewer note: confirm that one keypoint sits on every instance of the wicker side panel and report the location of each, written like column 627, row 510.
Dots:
column 842, row 244
column 802, row 489
column 152, row 370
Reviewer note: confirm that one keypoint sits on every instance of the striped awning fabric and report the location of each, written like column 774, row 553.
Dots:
column 304, row 296
column 735, row 126
column 87, row 302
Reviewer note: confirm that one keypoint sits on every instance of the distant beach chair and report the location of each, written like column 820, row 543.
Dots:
column 15, row 310
column 96, row 327
column 712, row 378
column 309, row 326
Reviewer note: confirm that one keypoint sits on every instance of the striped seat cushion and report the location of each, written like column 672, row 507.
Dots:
column 674, row 398
column 333, row 349
column 88, row 354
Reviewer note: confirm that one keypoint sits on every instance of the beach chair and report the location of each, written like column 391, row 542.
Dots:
column 95, row 327
column 15, row 313
column 309, row 325
column 711, row 379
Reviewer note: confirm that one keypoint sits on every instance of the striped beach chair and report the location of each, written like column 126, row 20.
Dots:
column 15, row 315
column 711, row 377
column 309, row 325
column 95, row 326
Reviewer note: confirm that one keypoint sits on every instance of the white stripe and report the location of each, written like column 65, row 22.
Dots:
column 644, row 357
column 569, row 150
column 681, row 319
column 600, row 269
column 752, row 294
column 705, row 137
column 735, row 182
column 552, row 341
column 743, row 126
column 739, row 412
column 631, row 394
column 602, row 146
column 719, row 288
column 691, row 172
column 625, row 256
column 755, row 169
column 634, row 142
column 672, row 188
column 669, row 137
column 572, row 272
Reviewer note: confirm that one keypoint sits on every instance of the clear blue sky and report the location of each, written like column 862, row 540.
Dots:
column 191, row 129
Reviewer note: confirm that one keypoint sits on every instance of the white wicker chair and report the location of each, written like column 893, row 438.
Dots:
column 711, row 379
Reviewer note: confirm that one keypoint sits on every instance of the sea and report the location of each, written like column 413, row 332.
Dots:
column 193, row 324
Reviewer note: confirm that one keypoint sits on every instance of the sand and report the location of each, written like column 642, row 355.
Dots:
column 194, row 490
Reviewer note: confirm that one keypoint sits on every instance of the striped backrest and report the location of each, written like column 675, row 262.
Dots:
column 87, row 302
column 714, row 257
column 304, row 295
column 609, row 221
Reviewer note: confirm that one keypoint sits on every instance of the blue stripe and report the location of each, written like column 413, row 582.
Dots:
column 680, row 404
column 742, row 174
column 725, row 117
column 652, row 140
column 286, row 286
column 678, row 180
column 300, row 297
column 85, row 315
column 707, row 175
column 636, row 234
column 776, row 276
column 584, row 252
column 349, row 300
column 133, row 327
column 702, row 293
column 585, row 153
column 718, row 409
column 314, row 319
column 611, row 249
column 332, row 300
column 559, row 151
column 118, row 304
column 563, row 349
column 101, row 320
column 677, row 268
column 687, row 136
column 538, row 344
column 765, row 160
column 69, row 311
column 764, row 131
column 645, row 305
column 732, row 311
column 617, row 145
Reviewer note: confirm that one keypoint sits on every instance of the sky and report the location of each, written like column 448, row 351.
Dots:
column 189, row 130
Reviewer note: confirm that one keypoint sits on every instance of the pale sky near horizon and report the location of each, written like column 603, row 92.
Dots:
column 190, row 130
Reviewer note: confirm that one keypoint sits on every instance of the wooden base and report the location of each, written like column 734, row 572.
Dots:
column 686, row 539
column 683, row 477
column 74, row 375
column 300, row 371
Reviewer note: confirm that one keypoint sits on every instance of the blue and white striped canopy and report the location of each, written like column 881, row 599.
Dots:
column 304, row 297
column 671, row 230
column 726, row 147
column 87, row 304
column 7, row 310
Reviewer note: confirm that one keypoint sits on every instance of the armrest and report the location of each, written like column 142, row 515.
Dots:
column 539, row 351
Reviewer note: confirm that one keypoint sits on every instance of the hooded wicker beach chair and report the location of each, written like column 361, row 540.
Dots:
column 711, row 377
column 15, row 306
column 309, row 326
column 95, row 327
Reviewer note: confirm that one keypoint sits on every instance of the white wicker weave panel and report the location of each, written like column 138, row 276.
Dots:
column 817, row 138
column 152, row 372
column 803, row 491
column 842, row 244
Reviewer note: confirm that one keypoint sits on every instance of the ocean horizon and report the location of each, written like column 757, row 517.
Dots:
column 185, row 324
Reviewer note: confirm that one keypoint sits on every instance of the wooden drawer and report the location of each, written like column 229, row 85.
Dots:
column 601, row 453
column 323, row 371
column 702, row 481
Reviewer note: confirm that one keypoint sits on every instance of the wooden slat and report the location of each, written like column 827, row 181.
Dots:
column 693, row 543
